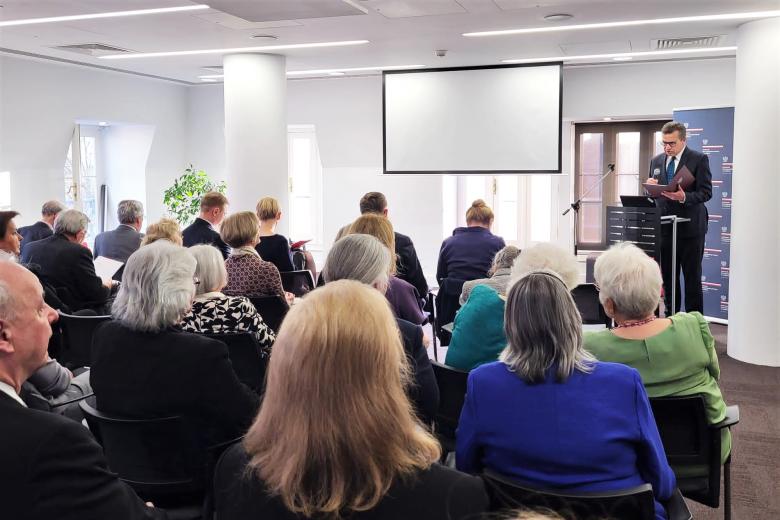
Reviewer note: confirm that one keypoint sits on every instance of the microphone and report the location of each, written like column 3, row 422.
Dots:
column 656, row 173
column 611, row 167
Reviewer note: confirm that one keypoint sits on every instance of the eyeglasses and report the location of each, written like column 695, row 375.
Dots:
column 669, row 143
column 196, row 280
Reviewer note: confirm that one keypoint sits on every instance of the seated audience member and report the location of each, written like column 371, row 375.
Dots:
column 51, row 465
column 248, row 274
column 498, row 275
column 213, row 206
column 125, row 240
column 272, row 247
column 164, row 229
column 214, row 313
column 67, row 265
column 403, row 297
column 10, row 238
column 478, row 331
column 143, row 366
column 44, row 227
column 365, row 259
column 674, row 356
column 336, row 436
column 550, row 415
column 407, row 266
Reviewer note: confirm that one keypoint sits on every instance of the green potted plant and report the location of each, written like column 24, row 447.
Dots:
column 183, row 198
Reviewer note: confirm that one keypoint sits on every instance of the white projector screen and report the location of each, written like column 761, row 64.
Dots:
column 473, row 120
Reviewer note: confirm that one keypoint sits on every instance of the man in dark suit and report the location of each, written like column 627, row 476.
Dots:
column 52, row 467
column 125, row 240
column 686, row 204
column 44, row 227
column 213, row 206
column 67, row 265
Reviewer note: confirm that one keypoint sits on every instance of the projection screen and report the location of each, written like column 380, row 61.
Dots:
column 473, row 120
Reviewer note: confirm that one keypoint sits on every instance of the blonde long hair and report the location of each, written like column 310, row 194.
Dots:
column 378, row 226
column 336, row 427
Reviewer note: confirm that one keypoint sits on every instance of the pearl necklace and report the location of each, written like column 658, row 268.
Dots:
column 628, row 324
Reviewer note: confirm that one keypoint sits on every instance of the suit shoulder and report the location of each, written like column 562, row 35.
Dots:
column 407, row 328
column 402, row 240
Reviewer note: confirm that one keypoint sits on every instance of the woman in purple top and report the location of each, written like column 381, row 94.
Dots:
column 468, row 253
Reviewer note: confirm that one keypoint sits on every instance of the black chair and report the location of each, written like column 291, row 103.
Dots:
column 689, row 440
column 159, row 458
column 248, row 364
column 447, row 305
column 452, row 394
column 586, row 297
column 636, row 503
column 297, row 282
column 77, row 332
column 272, row 309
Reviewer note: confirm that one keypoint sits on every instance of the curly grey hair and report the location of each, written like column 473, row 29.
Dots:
column 157, row 287
column 547, row 256
column 630, row 278
column 70, row 222
column 358, row 257
column 128, row 211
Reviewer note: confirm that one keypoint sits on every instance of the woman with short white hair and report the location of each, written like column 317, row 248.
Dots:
column 214, row 313
column 143, row 365
column 545, row 255
column 676, row 355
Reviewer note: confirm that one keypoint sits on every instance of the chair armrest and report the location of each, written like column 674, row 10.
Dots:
column 76, row 400
column 732, row 418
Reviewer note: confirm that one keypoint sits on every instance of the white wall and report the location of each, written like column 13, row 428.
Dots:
column 40, row 101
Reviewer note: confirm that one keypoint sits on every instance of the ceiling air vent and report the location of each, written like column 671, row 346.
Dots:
column 687, row 43
column 92, row 49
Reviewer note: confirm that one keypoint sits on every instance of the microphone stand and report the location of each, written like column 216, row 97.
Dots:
column 576, row 205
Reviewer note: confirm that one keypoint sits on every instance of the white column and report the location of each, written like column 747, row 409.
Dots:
column 256, row 130
column 754, row 286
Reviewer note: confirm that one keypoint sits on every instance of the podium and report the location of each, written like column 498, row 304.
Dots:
column 642, row 227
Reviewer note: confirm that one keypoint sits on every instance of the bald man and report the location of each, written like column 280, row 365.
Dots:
column 51, row 466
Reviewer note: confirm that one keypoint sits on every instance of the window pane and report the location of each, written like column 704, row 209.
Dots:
column 475, row 189
column 541, row 208
column 301, row 165
column 588, row 183
column 5, row 191
column 627, row 185
column 590, row 224
column 301, row 226
column 506, row 212
column 627, row 164
column 449, row 204
column 658, row 143
column 591, row 154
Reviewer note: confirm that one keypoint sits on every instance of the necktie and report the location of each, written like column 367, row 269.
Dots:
column 669, row 171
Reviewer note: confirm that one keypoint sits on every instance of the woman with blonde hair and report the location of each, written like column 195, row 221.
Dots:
column 402, row 295
column 164, row 229
column 273, row 247
column 336, row 435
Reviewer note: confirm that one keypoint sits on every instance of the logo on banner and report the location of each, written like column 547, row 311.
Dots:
column 705, row 141
column 725, row 159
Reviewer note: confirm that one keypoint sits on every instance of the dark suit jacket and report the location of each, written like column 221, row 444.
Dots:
column 695, row 196
column 172, row 372
column 425, row 392
column 407, row 264
column 201, row 232
column 37, row 231
column 53, row 468
column 68, row 267
column 438, row 493
column 118, row 244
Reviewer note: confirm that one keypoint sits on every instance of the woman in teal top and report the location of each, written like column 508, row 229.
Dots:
column 478, row 332
column 675, row 356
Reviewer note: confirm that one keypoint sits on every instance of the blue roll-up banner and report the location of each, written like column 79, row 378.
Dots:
column 711, row 131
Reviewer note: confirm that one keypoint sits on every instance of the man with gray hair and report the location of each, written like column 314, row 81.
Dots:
column 125, row 240
column 52, row 467
column 44, row 227
column 67, row 265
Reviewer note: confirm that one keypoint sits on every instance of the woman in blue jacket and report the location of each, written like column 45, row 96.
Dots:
column 549, row 415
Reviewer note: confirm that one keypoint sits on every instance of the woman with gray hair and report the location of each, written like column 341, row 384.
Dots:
column 676, row 355
column 499, row 273
column 214, row 313
column 365, row 259
column 550, row 415
column 144, row 366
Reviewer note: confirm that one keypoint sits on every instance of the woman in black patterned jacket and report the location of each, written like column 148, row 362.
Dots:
column 214, row 313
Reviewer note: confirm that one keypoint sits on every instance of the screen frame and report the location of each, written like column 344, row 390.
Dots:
column 385, row 73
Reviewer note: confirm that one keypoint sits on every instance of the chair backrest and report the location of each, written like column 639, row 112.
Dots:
column 447, row 305
column 685, row 432
column 245, row 357
column 586, row 297
column 636, row 503
column 77, row 332
column 297, row 282
column 452, row 394
column 156, row 456
column 271, row 308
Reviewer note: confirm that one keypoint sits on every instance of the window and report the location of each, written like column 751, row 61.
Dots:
column 629, row 146
column 5, row 191
column 81, row 178
column 305, row 185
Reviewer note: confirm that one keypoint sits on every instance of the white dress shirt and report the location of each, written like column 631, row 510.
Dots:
column 8, row 389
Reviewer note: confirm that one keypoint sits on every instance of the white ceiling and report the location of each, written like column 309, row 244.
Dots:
column 401, row 32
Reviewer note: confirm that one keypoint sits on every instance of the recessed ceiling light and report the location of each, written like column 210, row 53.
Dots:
column 629, row 23
column 623, row 58
column 607, row 119
column 102, row 123
column 231, row 50
column 264, row 37
column 558, row 17
column 336, row 73
column 108, row 14
column 622, row 55
column 322, row 72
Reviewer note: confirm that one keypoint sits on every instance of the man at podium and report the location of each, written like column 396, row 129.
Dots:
column 685, row 204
